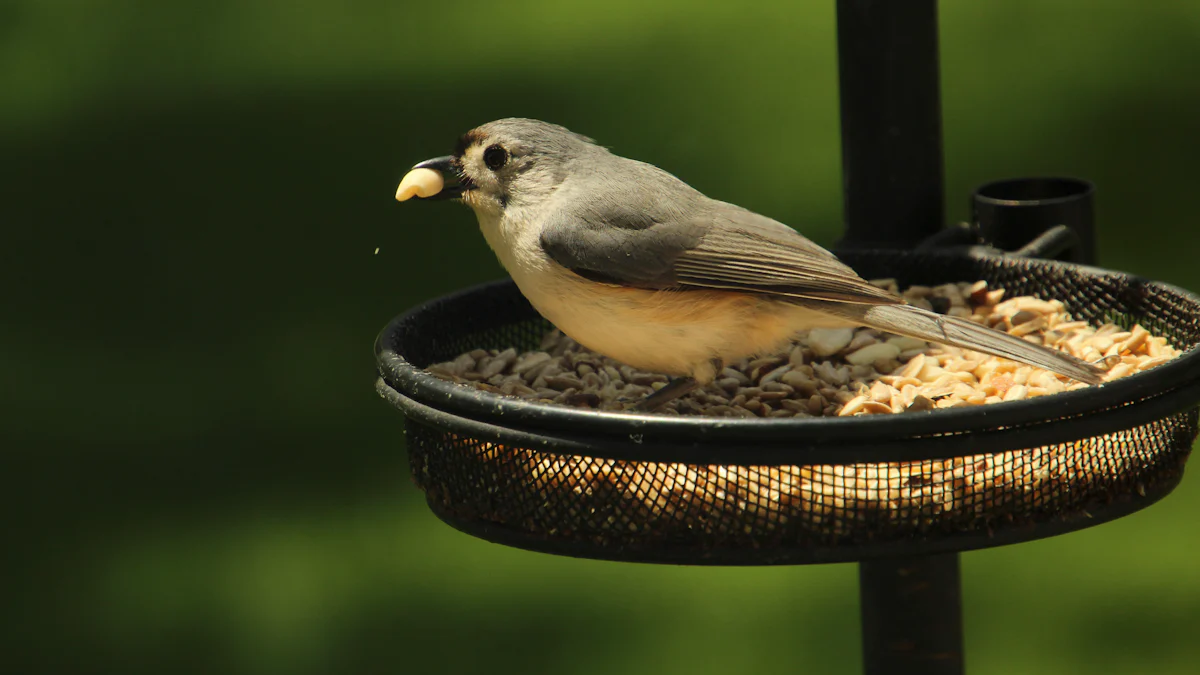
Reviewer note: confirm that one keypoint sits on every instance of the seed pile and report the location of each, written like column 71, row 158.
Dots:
column 833, row 372
column 825, row 372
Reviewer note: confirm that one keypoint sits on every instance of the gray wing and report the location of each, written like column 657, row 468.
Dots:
column 718, row 246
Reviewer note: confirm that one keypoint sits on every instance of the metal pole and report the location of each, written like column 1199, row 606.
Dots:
column 892, row 185
column 891, row 122
column 911, row 615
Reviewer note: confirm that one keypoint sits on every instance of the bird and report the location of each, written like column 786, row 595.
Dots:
column 633, row 263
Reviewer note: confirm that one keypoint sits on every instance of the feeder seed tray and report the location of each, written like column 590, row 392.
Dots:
column 701, row 490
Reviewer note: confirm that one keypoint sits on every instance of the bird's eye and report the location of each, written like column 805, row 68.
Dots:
column 495, row 157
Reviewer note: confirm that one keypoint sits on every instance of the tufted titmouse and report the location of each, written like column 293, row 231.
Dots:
column 633, row 263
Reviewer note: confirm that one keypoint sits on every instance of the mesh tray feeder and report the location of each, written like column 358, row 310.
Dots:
column 698, row 490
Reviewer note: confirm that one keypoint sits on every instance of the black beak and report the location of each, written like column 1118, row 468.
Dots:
column 448, row 167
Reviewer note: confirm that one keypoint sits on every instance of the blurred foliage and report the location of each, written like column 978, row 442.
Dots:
column 193, row 194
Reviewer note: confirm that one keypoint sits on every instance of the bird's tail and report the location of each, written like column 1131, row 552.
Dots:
column 915, row 322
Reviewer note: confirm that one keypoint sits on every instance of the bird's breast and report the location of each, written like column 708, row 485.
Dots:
column 677, row 332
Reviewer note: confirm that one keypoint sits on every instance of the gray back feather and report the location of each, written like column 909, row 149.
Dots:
column 620, row 221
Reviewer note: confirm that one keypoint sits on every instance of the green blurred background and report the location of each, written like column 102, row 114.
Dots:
column 202, row 477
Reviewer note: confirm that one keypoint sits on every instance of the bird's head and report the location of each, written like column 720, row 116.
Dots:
column 511, row 161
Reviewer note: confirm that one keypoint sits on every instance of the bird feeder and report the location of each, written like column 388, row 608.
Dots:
column 901, row 495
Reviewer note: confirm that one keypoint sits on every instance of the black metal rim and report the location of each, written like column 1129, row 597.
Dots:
column 634, row 446
column 1002, row 535
column 1137, row 399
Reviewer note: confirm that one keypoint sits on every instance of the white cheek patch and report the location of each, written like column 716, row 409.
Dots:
column 420, row 183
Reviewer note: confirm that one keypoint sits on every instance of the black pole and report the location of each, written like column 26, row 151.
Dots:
column 892, row 186
column 911, row 615
column 891, row 122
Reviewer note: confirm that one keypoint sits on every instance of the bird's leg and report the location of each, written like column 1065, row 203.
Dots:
column 677, row 387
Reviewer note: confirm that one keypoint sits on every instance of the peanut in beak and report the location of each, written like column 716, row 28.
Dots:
column 420, row 183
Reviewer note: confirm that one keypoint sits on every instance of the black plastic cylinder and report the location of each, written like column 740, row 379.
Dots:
column 1011, row 213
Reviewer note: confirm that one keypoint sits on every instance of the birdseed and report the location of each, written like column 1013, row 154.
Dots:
column 833, row 372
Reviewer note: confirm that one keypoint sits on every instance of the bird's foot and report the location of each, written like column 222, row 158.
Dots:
column 677, row 387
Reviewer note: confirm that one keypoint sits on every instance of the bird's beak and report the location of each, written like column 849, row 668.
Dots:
column 448, row 167
column 439, row 164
